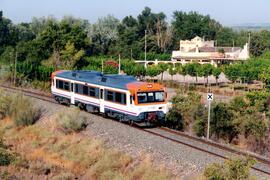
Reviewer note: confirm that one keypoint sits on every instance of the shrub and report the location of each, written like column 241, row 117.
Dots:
column 20, row 108
column 71, row 120
column 5, row 157
column 23, row 111
column 231, row 169
column 174, row 119
column 5, row 105
column 199, row 127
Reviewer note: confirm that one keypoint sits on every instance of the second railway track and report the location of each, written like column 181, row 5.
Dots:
column 211, row 148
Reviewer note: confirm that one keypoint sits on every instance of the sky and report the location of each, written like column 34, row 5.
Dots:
column 227, row 12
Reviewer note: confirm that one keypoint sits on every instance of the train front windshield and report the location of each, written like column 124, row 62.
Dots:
column 151, row 97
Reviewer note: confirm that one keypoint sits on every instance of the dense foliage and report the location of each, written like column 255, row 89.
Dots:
column 245, row 119
column 47, row 44
column 235, row 168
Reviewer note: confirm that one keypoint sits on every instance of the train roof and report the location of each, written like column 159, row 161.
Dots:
column 94, row 77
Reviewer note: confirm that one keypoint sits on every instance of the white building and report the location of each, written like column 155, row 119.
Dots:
column 201, row 51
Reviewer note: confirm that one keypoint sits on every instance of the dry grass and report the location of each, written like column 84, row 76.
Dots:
column 76, row 155
column 19, row 108
column 71, row 120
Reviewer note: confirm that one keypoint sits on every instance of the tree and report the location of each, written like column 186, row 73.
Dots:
column 188, row 25
column 191, row 69
column 265, row 75
column 163, row 67
column 187, row 104
column 8, row 33
column 70, row 56
column 216, row 72
column 172, row 71
column 103, row 33
column 226, row 37
column 153, row 71
column 257, row 44
column 205, row 70
column 222, row 122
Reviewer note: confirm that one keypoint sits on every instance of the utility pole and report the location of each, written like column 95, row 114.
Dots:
column 248, row 39
column 102, row 66
column 119, row 64
column 248, row 44
column 145, row 45
column 15, row 65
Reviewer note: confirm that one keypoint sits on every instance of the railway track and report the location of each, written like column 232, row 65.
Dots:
column 203, row 145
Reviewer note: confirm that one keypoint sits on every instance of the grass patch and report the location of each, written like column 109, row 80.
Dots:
column 76, row 155
column 71, row 120
column 19, row 108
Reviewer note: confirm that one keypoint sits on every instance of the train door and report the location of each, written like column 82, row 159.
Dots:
column 72, row 93
column 101, row 100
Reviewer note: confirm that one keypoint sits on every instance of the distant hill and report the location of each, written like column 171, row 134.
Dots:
column 251, row 26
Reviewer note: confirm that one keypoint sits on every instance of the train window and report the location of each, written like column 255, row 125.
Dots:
column 118, row 97
column 85, row 90
column 109, row 96
column 142, row 97
column 92, row 91
column 149, row 97
column 76, row 88
column 66, row 86
column 60, row 84
column 159, row 96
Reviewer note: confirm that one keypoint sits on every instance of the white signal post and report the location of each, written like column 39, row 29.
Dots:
column 210, row 98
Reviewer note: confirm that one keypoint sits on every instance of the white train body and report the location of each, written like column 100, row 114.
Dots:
column 117, row 96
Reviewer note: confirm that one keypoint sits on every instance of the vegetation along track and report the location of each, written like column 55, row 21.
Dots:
column 209, row 147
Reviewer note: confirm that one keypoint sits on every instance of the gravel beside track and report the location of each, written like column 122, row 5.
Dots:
column 181, row 159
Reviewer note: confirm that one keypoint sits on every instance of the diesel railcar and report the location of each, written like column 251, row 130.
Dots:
column 118, row 96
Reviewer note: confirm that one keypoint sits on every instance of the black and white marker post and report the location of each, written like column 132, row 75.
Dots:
column 210, row 98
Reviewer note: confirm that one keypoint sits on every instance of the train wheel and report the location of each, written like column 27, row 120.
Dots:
column 104, row 115
column 81, row 106
column 131, row 122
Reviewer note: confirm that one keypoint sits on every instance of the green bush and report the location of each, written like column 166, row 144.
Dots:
column 5, row 157
column 199, row 127
column 24, row 112
column 174, row 119
column 71, row 120
column 231, row 169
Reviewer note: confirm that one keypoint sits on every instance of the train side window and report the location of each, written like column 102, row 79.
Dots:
column 66, row 86
column 92, row 92
column 118, row 97
column 76, row 88
column 124, row 99
column 109, row 96
column 60, row 84
column 85, row 90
